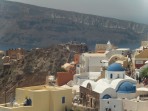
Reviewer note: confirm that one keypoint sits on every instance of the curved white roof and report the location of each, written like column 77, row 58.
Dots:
column 129, row 78
column 93, row 84
column 101, row 86
column 115, row 83
column 109, row 91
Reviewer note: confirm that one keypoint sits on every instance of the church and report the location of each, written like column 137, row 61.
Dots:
column 107, row 94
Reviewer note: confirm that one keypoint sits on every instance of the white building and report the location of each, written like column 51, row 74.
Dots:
column 111, row 90
column 90, row 62
column 89, row 67
column 121, row 51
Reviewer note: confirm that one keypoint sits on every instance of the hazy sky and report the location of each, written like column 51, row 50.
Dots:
column 133, row 10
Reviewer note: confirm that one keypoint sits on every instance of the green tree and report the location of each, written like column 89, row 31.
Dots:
column 144, row 72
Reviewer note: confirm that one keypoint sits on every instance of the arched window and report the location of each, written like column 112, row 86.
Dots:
column 111, row 76
column 106, row 96
column 89, row 86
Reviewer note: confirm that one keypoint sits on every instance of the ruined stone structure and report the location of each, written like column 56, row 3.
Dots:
column 16, row 54
column 89, row 98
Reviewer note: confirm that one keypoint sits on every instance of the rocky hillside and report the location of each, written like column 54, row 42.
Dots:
column 33, row 69
column 29, row 25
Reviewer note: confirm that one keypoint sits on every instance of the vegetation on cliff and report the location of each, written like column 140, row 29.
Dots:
column 33, row 69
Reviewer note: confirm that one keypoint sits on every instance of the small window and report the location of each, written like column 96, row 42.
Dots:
column 111, row 76
column 89, row 86
column 118, row 76
column 63, row 100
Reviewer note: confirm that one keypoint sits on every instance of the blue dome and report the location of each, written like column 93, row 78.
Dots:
column 115, row 67
column 126, row 87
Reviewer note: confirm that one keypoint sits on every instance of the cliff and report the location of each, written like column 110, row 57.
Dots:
column 33, row 69
column 33, row 26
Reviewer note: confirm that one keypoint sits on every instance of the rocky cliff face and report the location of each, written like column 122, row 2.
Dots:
column 33, row 69
column 28, row 25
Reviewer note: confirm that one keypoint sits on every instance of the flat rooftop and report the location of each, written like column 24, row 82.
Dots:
column 94, row 54
column 43, row 88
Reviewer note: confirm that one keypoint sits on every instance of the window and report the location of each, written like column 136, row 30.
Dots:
column 89, row 86
column 118, row 76
column 111, row 76
column 63, row 100
column 106, row 96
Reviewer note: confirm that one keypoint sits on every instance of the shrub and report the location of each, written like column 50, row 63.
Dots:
column 144, row 72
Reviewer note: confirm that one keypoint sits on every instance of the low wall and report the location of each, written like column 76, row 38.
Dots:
column 64, row 78
column 135, row 105
column 20, row 108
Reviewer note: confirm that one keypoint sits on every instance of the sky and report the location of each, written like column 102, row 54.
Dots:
column 132, row 10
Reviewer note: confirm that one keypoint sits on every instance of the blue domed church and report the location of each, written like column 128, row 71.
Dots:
column 122, row 84
column 115, row 71
column 107, row 94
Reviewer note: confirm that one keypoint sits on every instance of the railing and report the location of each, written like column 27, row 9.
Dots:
column 144, row 97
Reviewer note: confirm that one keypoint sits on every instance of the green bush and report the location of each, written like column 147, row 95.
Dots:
column 144, row 72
